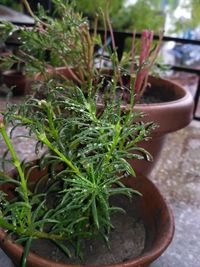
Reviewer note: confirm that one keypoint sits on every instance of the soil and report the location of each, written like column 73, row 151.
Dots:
column 156, row 94
column 147, row 98
column 153, row 94
column 126, row 240
column 150, row 100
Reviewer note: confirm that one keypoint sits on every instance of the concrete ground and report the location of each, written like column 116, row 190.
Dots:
column 177, row 174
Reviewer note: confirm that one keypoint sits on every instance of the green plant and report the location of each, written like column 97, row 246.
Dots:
column 92, row 149
column 88, row 136
column 90, row 8
column 47, row 36
column 138, row 16
column 12, row 4
column 67, row 42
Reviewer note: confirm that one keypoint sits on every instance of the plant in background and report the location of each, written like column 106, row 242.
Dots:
column 88, row 136
column 48, row 36
column 138, row 16
column 12, row 4
column 187, row 20
column 91, row 8
column 66, row 41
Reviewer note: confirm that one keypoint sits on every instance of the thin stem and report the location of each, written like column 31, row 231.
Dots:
column 132, row 69
column 104, row 40
column 70, row 70
column 132, row 79
column 114, row 143
column 17, row 164
column 28, row 121
column 42, row 137
column 152, row 59
column 51, row 121
column 88, row 49
column 31, row 12
column 25, row 232
column 114, row 48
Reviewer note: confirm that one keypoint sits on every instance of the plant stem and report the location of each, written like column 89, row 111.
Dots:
column 26, row 4
column 36, row 234
column 114, row 48
column 17, row 164
column 114, row 143
column 50, row 116
column 42, row 137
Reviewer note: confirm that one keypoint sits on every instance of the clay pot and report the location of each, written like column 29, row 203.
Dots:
column 151, row 208
column 16, row 80
column 175, row 111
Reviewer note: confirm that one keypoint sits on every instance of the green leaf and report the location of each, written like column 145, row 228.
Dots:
column 95, row 213
column 26, row 251
column 62, row 247
column 4, row 178
column 127, row 167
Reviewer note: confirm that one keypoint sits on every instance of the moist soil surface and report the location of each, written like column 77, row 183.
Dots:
column 126, row 240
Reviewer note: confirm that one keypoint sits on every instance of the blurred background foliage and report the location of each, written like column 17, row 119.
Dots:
column 126, row 18
column 15, row 4
column 129, row 15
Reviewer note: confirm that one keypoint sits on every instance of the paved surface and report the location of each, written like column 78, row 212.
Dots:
column 9, row 14
column 177, row 174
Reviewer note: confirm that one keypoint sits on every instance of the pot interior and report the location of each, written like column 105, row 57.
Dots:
column 160, row 90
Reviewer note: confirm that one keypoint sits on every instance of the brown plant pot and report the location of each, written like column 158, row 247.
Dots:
column 16, row 81
column 174, row 112
column 151, row 208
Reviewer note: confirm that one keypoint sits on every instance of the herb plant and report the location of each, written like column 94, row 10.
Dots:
column 65, row 40
column 92, row 151
column 88, row 137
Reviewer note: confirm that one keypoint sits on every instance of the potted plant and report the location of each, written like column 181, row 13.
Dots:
column 71, row 195
column 46, row 47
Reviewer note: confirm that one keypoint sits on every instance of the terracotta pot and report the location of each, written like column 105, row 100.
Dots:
column 174, row 112
column 17, row 81
column 151, row 207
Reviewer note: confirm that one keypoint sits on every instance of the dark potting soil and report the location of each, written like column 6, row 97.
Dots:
column 159, row 94
column 126, row 241
column 150, row 100
column 145, row 99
